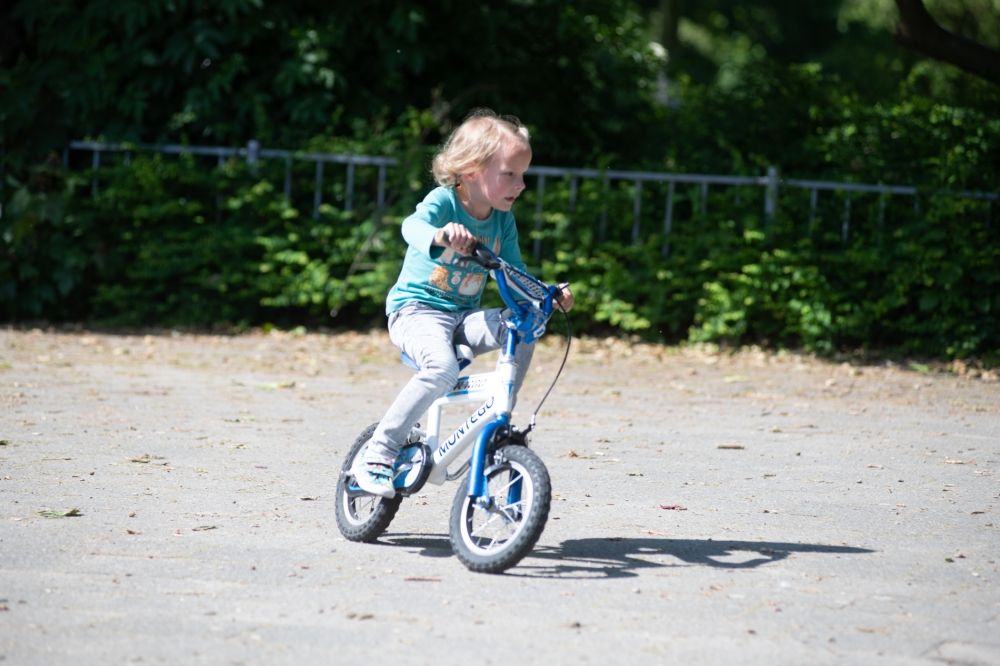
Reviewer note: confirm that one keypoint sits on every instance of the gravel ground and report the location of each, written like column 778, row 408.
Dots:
column 168, row 498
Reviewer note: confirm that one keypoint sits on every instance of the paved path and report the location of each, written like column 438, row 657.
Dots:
column 709, row 509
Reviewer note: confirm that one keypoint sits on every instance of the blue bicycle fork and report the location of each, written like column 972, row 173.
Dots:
column 477, row 476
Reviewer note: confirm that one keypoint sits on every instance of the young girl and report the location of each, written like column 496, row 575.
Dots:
column 434, row 304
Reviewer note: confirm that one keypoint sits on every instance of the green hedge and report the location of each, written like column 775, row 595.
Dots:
column 180, row 241
column 166, row 242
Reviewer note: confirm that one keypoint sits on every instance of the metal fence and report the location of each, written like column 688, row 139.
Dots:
column 771, row 185
column 253, row 154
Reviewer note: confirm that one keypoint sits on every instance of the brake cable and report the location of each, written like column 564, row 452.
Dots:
column 562, row 365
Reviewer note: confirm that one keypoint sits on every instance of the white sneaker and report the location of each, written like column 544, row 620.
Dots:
column 374, row 477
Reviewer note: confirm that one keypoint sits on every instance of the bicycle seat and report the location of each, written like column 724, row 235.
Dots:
column 462, row 352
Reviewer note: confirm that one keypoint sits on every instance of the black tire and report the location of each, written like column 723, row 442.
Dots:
column 360, row 516
column 492, row 541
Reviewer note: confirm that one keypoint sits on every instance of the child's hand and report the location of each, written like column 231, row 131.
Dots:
column 457, row 237
column 565, row 297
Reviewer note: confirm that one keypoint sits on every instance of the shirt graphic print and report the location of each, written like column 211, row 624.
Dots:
column 456, row 276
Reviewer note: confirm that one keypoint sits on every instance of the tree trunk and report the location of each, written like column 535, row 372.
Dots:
column 670, row 11
column 917, row 30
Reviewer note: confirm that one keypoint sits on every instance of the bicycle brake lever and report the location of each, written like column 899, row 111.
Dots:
column 481, row 255
column 485, row 257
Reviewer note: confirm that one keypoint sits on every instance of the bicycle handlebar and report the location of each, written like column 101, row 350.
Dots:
column 528, row 317
column 510, row 276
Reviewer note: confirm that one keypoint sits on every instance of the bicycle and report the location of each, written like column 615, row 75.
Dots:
column 500, row 512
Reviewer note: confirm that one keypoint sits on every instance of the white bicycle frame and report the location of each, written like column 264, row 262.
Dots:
column 494, row 390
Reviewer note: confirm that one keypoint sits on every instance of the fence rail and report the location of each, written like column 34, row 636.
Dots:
column 773, row 186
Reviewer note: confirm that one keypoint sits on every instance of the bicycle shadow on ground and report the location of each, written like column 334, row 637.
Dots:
column 620, row 557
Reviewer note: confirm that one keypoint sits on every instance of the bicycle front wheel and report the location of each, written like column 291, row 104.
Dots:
column 493, row 535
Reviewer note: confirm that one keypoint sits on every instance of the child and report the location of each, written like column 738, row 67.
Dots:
column 434, row 304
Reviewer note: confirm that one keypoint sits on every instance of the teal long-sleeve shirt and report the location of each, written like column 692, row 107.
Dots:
column 432, row 274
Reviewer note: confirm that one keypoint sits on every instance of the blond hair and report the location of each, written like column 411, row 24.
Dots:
column 473, row 143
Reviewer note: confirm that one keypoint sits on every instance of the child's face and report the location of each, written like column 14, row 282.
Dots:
column 501, row 181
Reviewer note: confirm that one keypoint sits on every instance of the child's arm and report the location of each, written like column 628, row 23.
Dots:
column 431, row 227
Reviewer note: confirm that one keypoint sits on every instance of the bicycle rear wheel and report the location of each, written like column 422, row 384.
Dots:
column 360, row 516
column 495, row 537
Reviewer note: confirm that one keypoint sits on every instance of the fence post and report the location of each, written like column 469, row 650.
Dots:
column 845, row 224
column 602, row 231
column 288, row 179
column 771, row 193
column 668, row 220
column 813, row 199
column 95, row 163
column 253, row 153
column 349, row 195
column 318, row 191
column 636, row 212
column 380, row 195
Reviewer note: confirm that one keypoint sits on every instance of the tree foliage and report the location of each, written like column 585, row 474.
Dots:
column 819, row 90
column 226, row 71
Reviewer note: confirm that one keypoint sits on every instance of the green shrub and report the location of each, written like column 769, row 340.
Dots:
column 47, row 251
column 184, row 241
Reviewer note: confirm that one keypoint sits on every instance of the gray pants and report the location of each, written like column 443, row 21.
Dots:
column 429, row 337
